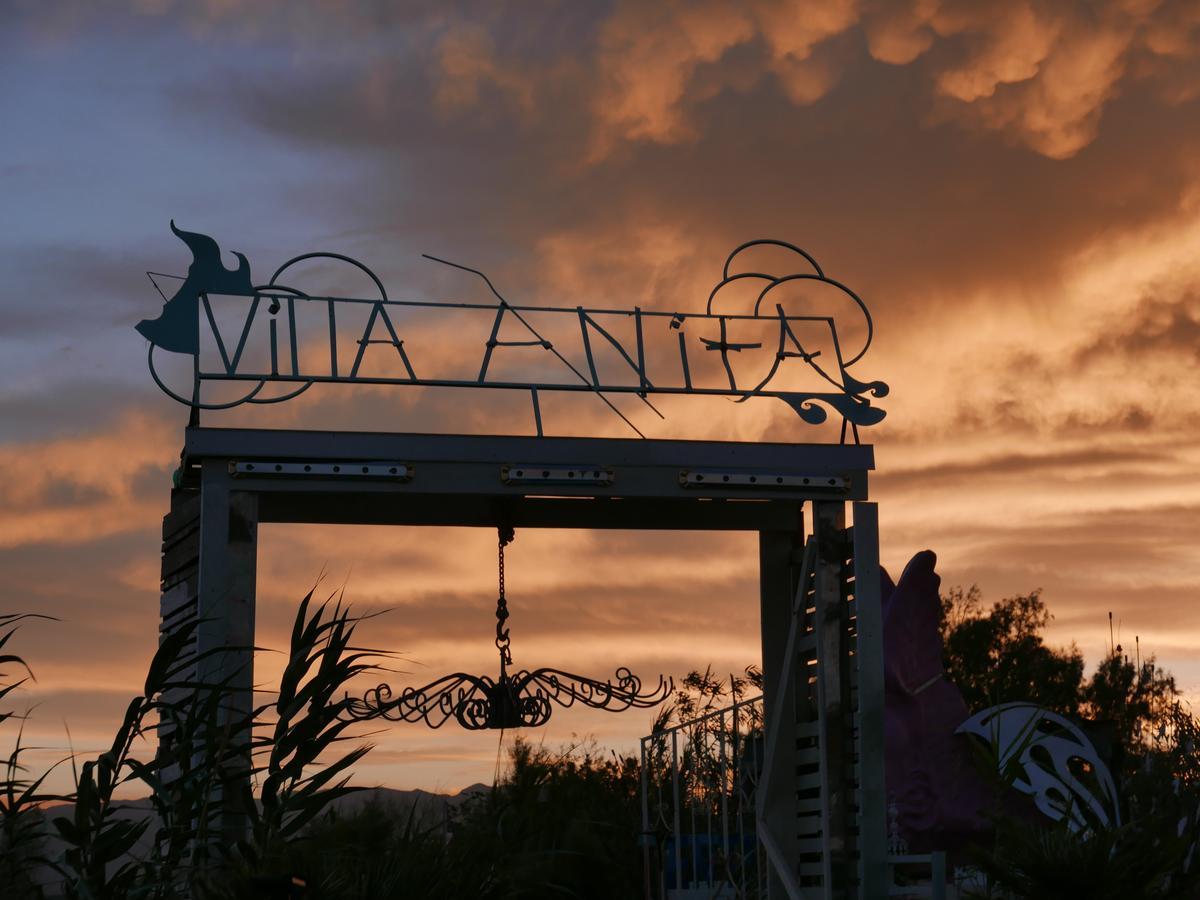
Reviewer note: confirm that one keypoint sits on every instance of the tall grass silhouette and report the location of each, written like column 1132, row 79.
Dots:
column 210, row 763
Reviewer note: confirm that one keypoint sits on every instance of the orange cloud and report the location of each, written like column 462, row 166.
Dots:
column 650, row 57
column 1041, row 75
column 466, row 62
column 81, row 488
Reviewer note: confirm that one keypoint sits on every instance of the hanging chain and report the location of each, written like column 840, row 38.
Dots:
column 502, row 641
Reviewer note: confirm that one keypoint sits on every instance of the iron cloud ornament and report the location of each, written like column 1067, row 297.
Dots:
column 267, row 343
column 512, row 700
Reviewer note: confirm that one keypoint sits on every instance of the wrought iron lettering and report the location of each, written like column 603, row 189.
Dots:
column 378, row 310
column 739, row 340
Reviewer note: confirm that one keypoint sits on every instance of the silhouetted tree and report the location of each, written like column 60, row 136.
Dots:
column 1135, row 698
column 1130, row 710
column 998, row 655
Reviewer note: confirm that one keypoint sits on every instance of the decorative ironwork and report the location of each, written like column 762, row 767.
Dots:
column 739, row 355
column 521, row 700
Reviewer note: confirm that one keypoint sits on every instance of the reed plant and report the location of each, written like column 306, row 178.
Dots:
column 208, row 764
column 297, row 779
column 22, row 823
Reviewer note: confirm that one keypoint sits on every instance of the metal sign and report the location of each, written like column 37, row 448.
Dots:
column 276, row 337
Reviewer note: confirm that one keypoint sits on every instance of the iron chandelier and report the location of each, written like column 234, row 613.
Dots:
column 519, row 700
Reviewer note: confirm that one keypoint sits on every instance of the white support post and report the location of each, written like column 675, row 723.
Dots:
column 226, row 600
column 777, row 813
column 831, row 617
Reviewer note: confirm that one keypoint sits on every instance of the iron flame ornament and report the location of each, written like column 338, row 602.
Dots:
column 743, row 345
column 523, row 699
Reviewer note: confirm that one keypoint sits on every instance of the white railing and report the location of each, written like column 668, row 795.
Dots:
column 700, row 840
column 699, row 783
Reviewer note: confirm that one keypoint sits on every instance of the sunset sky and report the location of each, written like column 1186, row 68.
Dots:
column 1013, row 188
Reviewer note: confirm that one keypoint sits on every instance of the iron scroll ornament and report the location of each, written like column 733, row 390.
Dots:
column 521, row 700
column 750, row 346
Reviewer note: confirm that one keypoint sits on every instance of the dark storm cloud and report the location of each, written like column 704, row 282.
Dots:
column 960, row 211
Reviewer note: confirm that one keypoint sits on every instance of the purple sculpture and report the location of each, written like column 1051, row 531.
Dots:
column 939, row 793
column 930, row 775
